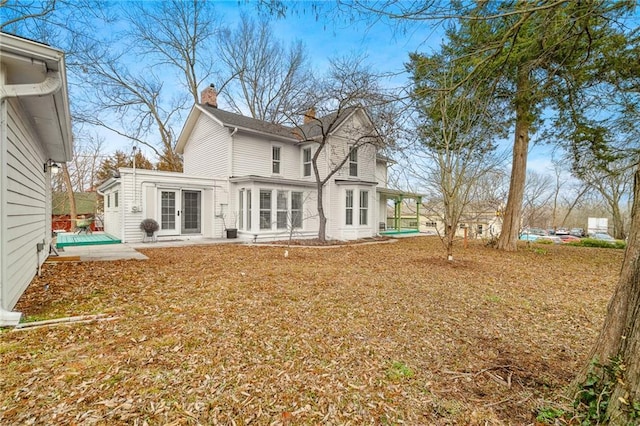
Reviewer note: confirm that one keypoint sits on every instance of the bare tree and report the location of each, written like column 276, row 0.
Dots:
column 173, row 37
column 349, row 90
column 270, row 81
column 455, row 128
column 537, row 198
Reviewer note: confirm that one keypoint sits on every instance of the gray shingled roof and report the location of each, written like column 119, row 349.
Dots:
column 306, row 131
column 241, row 121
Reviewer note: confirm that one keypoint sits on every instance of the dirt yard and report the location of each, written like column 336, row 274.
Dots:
column 384, row 333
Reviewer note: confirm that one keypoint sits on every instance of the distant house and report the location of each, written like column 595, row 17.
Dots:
column 254, row 178
column 35, row 133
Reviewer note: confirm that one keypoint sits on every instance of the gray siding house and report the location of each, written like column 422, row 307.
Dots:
column 35, row 132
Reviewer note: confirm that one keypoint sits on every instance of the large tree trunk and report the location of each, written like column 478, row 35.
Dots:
column 618, row 222
column 511, row 225
column 620, row 334
column 322, row 219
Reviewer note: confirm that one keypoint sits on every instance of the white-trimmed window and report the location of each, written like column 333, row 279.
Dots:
column 265, row 209
column 248, row 209
column 241, row 209
column 348, row 220
column 115, row 199
column 364, row 207
column 296, row 209
column 306, row 162
column 275, row 159
column 108, row 200
column 353, row 162
column 282, row 211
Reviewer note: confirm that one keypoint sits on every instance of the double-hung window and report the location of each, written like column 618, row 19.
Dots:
column 306, row 162
column 282, row 213
column 296, row 209
column 349, row 207
column 265, row 209
column 275, row 160
column 115, row 199
column 364, row 207
column 353, row 162
column 241, row 209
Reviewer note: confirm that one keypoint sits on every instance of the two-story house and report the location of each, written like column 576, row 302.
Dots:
column 257, row 179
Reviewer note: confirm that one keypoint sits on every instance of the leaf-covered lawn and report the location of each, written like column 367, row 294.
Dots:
column 362, row 334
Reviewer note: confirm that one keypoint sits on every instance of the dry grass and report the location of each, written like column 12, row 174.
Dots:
column 371, row 334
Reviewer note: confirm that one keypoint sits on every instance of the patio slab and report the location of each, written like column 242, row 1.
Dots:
column 96, row 253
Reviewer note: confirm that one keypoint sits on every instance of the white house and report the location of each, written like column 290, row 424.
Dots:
column 35, row 132
column 256, row 178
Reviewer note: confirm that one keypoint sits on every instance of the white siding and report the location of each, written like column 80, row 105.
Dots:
column 381, row 173
column 26, row 205
column 251, row 156
column 207, row 151
column 144, row 196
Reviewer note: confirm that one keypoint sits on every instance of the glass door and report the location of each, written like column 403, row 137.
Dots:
column 191, row 212
column 169, row 213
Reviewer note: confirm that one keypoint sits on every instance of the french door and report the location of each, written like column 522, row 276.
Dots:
column 180, row 212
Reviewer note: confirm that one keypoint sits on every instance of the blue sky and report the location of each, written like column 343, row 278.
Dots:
column 385, row 50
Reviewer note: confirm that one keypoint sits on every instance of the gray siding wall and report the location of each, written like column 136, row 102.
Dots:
column 26, row 205
column 208, row 150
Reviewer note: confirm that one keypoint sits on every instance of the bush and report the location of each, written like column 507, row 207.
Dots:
column 592, row 242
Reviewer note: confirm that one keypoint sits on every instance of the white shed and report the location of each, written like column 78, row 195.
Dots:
column 35, row 132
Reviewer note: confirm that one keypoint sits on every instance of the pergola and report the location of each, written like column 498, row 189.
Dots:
column 398, row 197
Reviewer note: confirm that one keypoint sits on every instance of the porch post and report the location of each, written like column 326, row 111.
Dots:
column 418, row 202
column 396, row 214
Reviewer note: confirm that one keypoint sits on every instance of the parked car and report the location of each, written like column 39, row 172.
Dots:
column 529, row 237
column 603, row 237
column 554, row 239
column 577, row 232
column 562, row 231
column 566, row 238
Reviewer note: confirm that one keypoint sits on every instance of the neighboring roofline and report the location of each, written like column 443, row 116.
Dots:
column 272, row 180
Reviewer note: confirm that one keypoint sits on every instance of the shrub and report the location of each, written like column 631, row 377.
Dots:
column 592, row 242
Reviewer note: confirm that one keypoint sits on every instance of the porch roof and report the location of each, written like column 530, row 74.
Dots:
column 272, row 180
column 398, row 193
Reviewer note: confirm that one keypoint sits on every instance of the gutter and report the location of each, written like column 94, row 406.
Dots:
column 51, row 84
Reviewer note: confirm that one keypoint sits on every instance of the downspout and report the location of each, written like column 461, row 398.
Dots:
column 51, row 84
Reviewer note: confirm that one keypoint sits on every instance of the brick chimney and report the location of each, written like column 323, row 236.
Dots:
column 209, row 96
column 310, row 115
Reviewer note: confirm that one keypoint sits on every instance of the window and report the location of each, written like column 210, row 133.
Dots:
column 349, row 207
column 306, row 162
column 364, row 207
column 115, row 199
column 241, row 209
column 282, row 213
column 480, row 229
column 248, row 209
column 353, row 162
column 275, row 157
column 265, row 209
column 108, row 200
column 430, row 224
column 296, row 209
